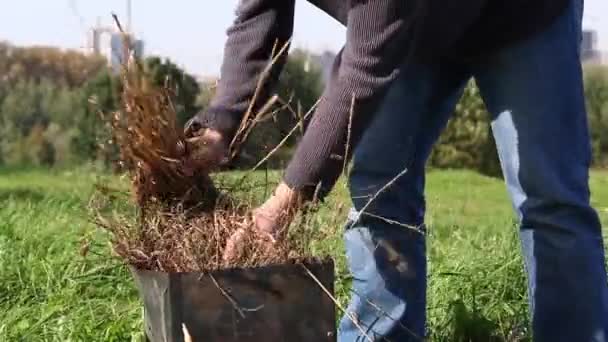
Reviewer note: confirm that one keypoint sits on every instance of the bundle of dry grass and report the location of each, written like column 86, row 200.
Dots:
column 174, row 241
column 162, row 162
column 178, row 221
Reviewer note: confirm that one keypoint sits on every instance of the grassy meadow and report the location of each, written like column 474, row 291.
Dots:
column 51, row 291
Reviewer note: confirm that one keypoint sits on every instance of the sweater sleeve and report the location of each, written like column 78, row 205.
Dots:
column 260, row 27
column 366, row 66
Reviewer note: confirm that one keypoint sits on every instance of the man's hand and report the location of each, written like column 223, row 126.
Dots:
column 270, row 222
column 207, row 148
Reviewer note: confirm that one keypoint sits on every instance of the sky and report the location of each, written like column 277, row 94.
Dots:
column 190, row 32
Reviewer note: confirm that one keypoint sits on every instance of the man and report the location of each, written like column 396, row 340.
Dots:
column 405, row 64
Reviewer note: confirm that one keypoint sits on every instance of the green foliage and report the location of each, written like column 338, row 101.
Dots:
column 102, row 94
column 23, row 106
column 36, row 120
column 99, row 94
column 64, row 68
column 596, row 94
column 187, row 88
column 23, row 122
column 467, row 141
column 50, row 102
column 40, row 102
column 477, row 287
column 207, row 91
column 48, row 291
column 60, row 139
column 52, row 90
column 300, row 86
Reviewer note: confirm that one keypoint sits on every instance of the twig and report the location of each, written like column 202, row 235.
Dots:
column 255, row 120
column 257, row 308
column 349, row 132
column 408, row 226
column 279, row 145
column 117, row 22
column 228, row 296
column 262, row 117
column 300, row 117
column 244, row 127
column 386, row 186
column 266, row 181
column 380, row 310
column 267, row 106
column 350, row 315
column 284, row 140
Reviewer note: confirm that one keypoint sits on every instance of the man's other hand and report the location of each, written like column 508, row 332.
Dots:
column 270, row 222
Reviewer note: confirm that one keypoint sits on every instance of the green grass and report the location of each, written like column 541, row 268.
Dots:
column 49, row 292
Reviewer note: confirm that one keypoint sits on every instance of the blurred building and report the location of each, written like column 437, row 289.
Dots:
column 590, row 54
column 324, row 61
column 109, row 43
column 117, row 50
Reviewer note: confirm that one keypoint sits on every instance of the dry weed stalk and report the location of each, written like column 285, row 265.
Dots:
column 163, row 164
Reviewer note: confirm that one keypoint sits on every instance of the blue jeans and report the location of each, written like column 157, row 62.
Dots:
column 533, row 90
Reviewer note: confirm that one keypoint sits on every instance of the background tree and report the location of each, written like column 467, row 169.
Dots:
column 467, row 141
column 300, row 85
column 186, row 87
column 100, row 94
column 596, row 97
column 62, row 67
column 47, row 118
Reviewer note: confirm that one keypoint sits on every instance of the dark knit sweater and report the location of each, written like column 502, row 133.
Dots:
column 381, row 35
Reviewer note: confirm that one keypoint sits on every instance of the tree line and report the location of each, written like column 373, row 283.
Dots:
column 50, row 98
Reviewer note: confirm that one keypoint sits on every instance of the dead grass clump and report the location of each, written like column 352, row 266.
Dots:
column 154, row 149
column 175, row 241
column 176, row 219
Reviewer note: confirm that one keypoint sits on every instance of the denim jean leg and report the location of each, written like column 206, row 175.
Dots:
column 534, row 90
column 387, row 260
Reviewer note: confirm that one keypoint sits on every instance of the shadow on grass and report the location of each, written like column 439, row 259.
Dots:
column 470, row 325
column 21, row 194
column 467, row 319
column 37, row 196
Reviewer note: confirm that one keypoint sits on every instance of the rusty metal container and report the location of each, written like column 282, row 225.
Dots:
column 273, row 303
